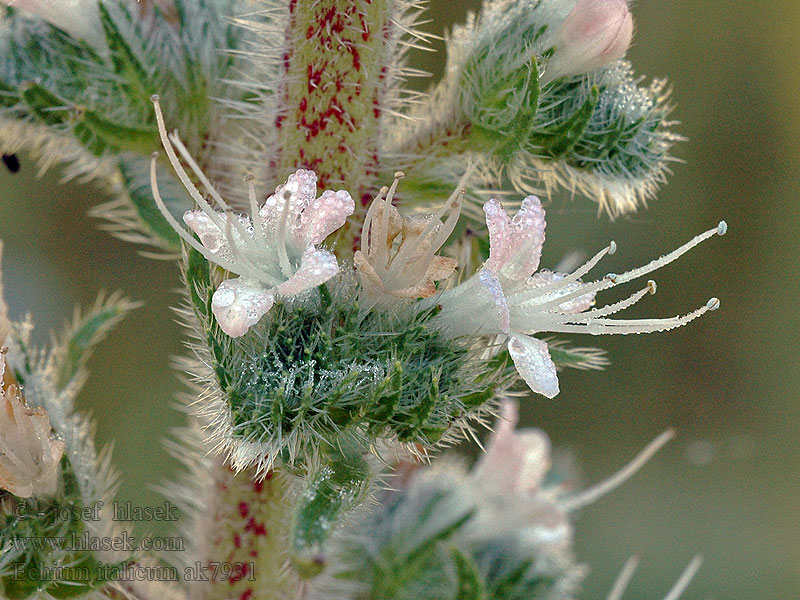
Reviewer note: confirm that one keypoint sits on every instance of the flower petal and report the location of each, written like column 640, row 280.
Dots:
column 316, row 267
column 492, row 285
column 299, row 190
column 211, row 236
column 514, row 460
column 238, row 304
column 515, row 245
column 323, row 216
column 534, row 364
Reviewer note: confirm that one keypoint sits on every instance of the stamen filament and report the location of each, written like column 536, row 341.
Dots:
column 627, row 326
column 610, row 309
column 596, row 492
column 255, row 215
column 624, row 578
column 685, row 579
column 283, row 256
column 574, row 276
column 720, row 229
column 180, row 171
column 225, row 264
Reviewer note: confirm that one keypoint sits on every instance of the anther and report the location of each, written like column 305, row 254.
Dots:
column 651, row 285
column 399, row 175
column 154, row 98
column 612, row 247
column 249, row 177
column 722, row 228
column 612, row 277
column 155, row 154
column 713, row 304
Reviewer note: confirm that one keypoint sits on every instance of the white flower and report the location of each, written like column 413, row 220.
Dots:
column 273, row 250
column 409, row 268
column 507, row 297
column 79, row 18
column 509, row 476
column 595, row 33
column 29, row 457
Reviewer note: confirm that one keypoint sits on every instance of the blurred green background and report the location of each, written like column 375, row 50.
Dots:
column 729, row 485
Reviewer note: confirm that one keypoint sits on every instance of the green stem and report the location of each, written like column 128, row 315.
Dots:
column 248, row 538
column 335, row 74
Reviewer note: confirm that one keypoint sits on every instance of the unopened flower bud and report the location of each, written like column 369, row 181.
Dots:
column 29, row 456
column 595, row 33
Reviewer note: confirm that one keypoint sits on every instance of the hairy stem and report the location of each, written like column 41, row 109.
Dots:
column 247, row 538
column 334, row 86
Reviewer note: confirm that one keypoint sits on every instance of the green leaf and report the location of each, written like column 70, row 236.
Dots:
column 84, row 333
column 469, row 580
column 135, row 173
column 44, row 104
column 197, row 273
column 9, row 96
column 51, row 110
column 124, row 60
column 338, row 486
column 121, row 137
column 576, row 358
column 558, row 141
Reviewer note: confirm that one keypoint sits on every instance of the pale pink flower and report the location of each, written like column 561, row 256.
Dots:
column 509, row 478
column 274, row 250
column 508, row 297
column 594, row 34
column 29, row 456
column 515, row 461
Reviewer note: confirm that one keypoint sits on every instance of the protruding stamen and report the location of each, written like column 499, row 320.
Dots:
column 255, row 215
column 624, row 578
column 610, row 309
column 574, row 276
column 180, row 171
column 665, row 260
column 176, row 140
column 628, row 326
column 225, row 264
column 596, row 492
column 453, row 204
column 685, row 579
column 368, row 236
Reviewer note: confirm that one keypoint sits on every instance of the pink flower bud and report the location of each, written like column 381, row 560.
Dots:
column 595, row 33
